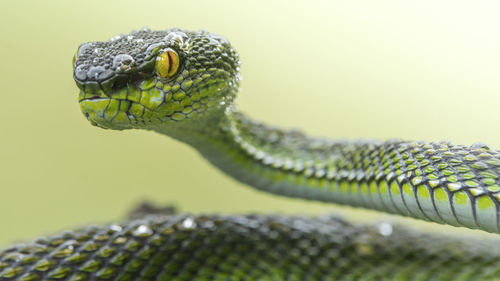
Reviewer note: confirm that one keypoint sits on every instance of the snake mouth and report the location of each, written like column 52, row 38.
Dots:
column 119, row 112
column 94, row 98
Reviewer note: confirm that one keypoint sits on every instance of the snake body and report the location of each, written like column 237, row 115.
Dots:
column 182, row 84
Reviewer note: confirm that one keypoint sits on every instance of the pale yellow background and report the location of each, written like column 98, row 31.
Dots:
column 426, row 70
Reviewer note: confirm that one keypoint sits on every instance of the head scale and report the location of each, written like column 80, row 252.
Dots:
column 149, row 77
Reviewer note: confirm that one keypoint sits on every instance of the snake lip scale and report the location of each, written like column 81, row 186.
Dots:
column 183, row 84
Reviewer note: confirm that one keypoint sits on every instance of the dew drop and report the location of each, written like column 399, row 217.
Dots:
column 385, row 229
column 142, row 230
column 480, row 145
column 188, row 223
column 115, row 38
column 98, row 51
column 175, row 38
column 115, row 227
column 80, row 73
column 123, row 62
column 94, row 71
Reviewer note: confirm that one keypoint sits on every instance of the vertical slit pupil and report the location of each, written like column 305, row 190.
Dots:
column 171, row 62
column 168, row 63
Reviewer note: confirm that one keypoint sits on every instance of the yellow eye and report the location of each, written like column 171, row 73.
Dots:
column 167, row 63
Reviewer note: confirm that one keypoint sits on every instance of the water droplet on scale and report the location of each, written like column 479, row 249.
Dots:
column 480, row 145
column 142, row 231
column 123, row 62
column 115, row 38
column 385, row 229
column 98, row 51
column 188, row 223
column 115, row 227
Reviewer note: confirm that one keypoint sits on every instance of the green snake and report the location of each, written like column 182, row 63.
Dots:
column 182, row 84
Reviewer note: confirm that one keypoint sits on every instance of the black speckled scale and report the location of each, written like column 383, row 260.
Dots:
column 121, row 87
column 252, row 247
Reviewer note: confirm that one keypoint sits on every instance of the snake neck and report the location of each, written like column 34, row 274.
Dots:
column 284, row 162
column 237, row 145
column 440, row 182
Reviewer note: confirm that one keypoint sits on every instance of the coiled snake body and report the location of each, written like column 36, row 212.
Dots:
column 182, row 84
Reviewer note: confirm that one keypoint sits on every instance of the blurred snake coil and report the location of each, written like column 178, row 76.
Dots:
column 182, row 84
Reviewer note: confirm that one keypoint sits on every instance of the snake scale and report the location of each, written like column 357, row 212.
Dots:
column 182, row 84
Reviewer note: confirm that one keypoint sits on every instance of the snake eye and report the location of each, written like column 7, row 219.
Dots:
column 167, row 63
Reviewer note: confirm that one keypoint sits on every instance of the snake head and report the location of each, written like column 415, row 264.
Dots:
column 148, row 78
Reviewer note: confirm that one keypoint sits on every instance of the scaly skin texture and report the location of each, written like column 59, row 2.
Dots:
column 439, row 182
column 243, row 248
column 132, row 81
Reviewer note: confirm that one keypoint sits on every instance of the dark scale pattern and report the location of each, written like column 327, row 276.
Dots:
column 253, row 247
column 95, row 60
column 134, row 52
column 442, row 182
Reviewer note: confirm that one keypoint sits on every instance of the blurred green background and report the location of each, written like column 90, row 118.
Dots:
column 424, row 70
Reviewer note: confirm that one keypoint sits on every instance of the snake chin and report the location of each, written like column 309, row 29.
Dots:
column 91, row 110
